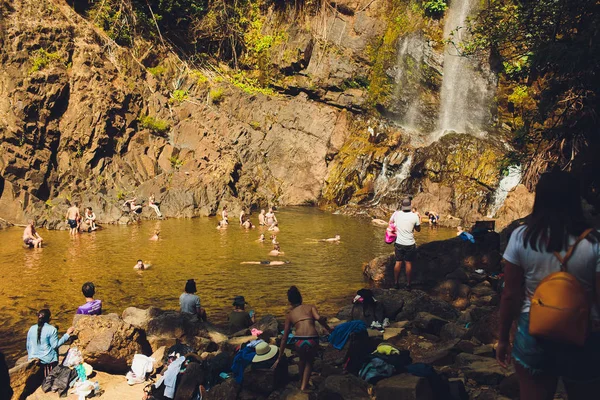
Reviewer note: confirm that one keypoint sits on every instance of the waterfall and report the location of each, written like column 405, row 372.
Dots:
column 467, row 90
column 385, row 185
column 508, row 183
column 407, row 75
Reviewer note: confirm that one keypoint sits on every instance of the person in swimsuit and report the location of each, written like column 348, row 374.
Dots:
column 90, row 219
column 306, row 340
column 261, row 217
column 155, row 237
column 224, row 216
column 266, row 262
column 276, row 251
column 270, row 217
column 247, row 224
column 261, row 238
column 274, row 227
column 72, row 217
column 154, row 205
column 141, row 266
column 30, row 236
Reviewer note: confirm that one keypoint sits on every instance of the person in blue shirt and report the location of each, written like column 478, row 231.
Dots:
column 43, row 341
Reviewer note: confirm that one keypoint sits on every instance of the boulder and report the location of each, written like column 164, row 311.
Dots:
column 429, row 323
column 343, row 387
column 390, row 333
column 227, row 390
column 25, row 378
column 483, row 370
column 265, row 381
column 413, row 302
column 453, row 330
column 139, row 317
column 107, row 342
column 291, row 392
column 268, row 325
column 403, row 387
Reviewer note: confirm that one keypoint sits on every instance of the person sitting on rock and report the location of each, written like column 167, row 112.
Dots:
column 30, row 236
column 141, row 266
column 276, row 251
column 306, row 340
column 239, row 319
column 154, row 205
column 90, row 219
column 261, row 217
column 189, row 302
column 91, row 306
column 43, row 341
column 133, row 207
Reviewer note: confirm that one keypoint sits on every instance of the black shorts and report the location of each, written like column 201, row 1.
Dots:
column 405, row 253
column 72, row 223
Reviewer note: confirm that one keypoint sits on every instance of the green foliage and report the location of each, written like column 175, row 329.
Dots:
column 154, row 124
column 121, row 194
column 49, row 203
column 435, row 8
column 158, row 70
column 250, row 85
column 176, row 162
column 199, row 76
column 255, row 125
column 41, row 58
column 178, row 96
column 216, row 95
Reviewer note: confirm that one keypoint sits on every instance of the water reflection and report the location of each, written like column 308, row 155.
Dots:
column 191, row 248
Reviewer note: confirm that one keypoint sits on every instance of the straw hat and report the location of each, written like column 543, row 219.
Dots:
column 264, row 352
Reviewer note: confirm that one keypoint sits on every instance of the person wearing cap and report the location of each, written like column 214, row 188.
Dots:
column 239, row 319
column 265, row 356
column 190, row 302
column 405, row 247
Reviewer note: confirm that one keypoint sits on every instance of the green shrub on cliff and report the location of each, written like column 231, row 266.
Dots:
column 435, row 8
column 158, row 70
column 154, row 124
column 41, row 59
column 216, row 95
column 178, row 96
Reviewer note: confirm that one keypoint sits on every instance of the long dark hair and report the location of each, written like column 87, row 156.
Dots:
column 557, row 212
column 294, row 296
column 43, row 318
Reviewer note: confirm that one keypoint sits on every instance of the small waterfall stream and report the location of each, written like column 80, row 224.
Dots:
column 466, row 91
column 508, row 183
column 385, row 184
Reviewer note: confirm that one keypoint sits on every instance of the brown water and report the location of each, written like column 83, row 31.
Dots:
column 325, row 273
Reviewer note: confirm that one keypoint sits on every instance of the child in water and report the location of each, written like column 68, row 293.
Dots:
column 140, row 266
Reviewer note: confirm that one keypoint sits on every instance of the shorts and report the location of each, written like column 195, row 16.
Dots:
column 72, row 223
column 543, row 357
column 405, row 253
column 306, row 344
column 28, row 242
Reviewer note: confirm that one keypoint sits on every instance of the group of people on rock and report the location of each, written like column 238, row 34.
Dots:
column 132, row 206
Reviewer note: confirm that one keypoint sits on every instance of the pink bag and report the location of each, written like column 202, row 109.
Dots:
column 390, row 233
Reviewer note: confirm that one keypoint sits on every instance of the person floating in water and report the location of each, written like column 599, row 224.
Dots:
column 276, row 251
column 141, row 266
column 261, row 238
column 91, row 306
column 261, row 218
column 154, row 205
column 302, row 318
column 333, row 239
column 72, row 218
column 90, row 219
column 155, row 236
column 239, row 319
column 189, row 302
column 266, row 262
column 30, row 236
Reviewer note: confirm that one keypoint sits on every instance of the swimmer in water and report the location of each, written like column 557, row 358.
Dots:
column 222, row 224
column 247, row 224
column 266, row 262
column 274, row 227
column 335, row 239
column 276, row 251
column 155, row 236
column 274, row 239
column 140, row 266
column 261, row 238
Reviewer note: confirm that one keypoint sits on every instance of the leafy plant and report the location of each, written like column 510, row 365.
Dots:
column 41, row 59
column 200, row 77
column 216, row 95
column 176, row 162
column 178, row 96
column 255, row 125
column 154, row 124
column 158, row 70
column 435, row 8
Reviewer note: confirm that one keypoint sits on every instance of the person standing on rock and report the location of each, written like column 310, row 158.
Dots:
column 43, row 341
column 556, row 237
column 73, row 217
column 405, row 247
column 189, row 302
column 306, row 340
column 30, row 236
column 91, row 306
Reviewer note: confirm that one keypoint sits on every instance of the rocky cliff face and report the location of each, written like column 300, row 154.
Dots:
column 82, row 120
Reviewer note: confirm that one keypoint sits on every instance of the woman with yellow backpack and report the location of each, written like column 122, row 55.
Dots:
column 552, row 289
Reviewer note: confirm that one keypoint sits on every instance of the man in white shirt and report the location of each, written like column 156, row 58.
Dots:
column 405, row 248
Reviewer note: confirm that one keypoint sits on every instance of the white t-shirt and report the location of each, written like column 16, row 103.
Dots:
column 583, row 264
column 405, row 224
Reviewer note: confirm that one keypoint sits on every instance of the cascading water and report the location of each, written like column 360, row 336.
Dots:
column 467, row 89
column 385, row 184
column 507, row 183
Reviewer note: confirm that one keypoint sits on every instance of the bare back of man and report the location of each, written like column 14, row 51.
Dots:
column 73, row 218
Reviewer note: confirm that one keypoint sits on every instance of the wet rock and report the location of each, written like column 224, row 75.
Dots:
column 107, row 342
column 139, row 317
column 403, row 387
column 265, row 381
column 429, row 323
column 483, row 370
column 343, row 387
column 291, row 392
column 4, row 224
column 25, row 378
column 227, row 390
column 518, row 204
column 509, row 387
column 454, row 331
column 390, row 333
column 413, row 302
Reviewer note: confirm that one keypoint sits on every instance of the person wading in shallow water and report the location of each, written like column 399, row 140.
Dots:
column 73, row 218
column 306, row 340
column 532, row 254
column 405, row 247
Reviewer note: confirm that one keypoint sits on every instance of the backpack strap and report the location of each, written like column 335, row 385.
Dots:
column 563, row 260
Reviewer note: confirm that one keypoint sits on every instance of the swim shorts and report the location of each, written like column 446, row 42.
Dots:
column 72, row 223
column 306, row 344
column 405, row 253
column 265, row 262
column 28, row 242
column 539, row 356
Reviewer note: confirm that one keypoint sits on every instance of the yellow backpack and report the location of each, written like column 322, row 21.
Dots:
column 560, row 306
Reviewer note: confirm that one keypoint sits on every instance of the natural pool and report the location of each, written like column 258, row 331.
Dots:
column 325, row 273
